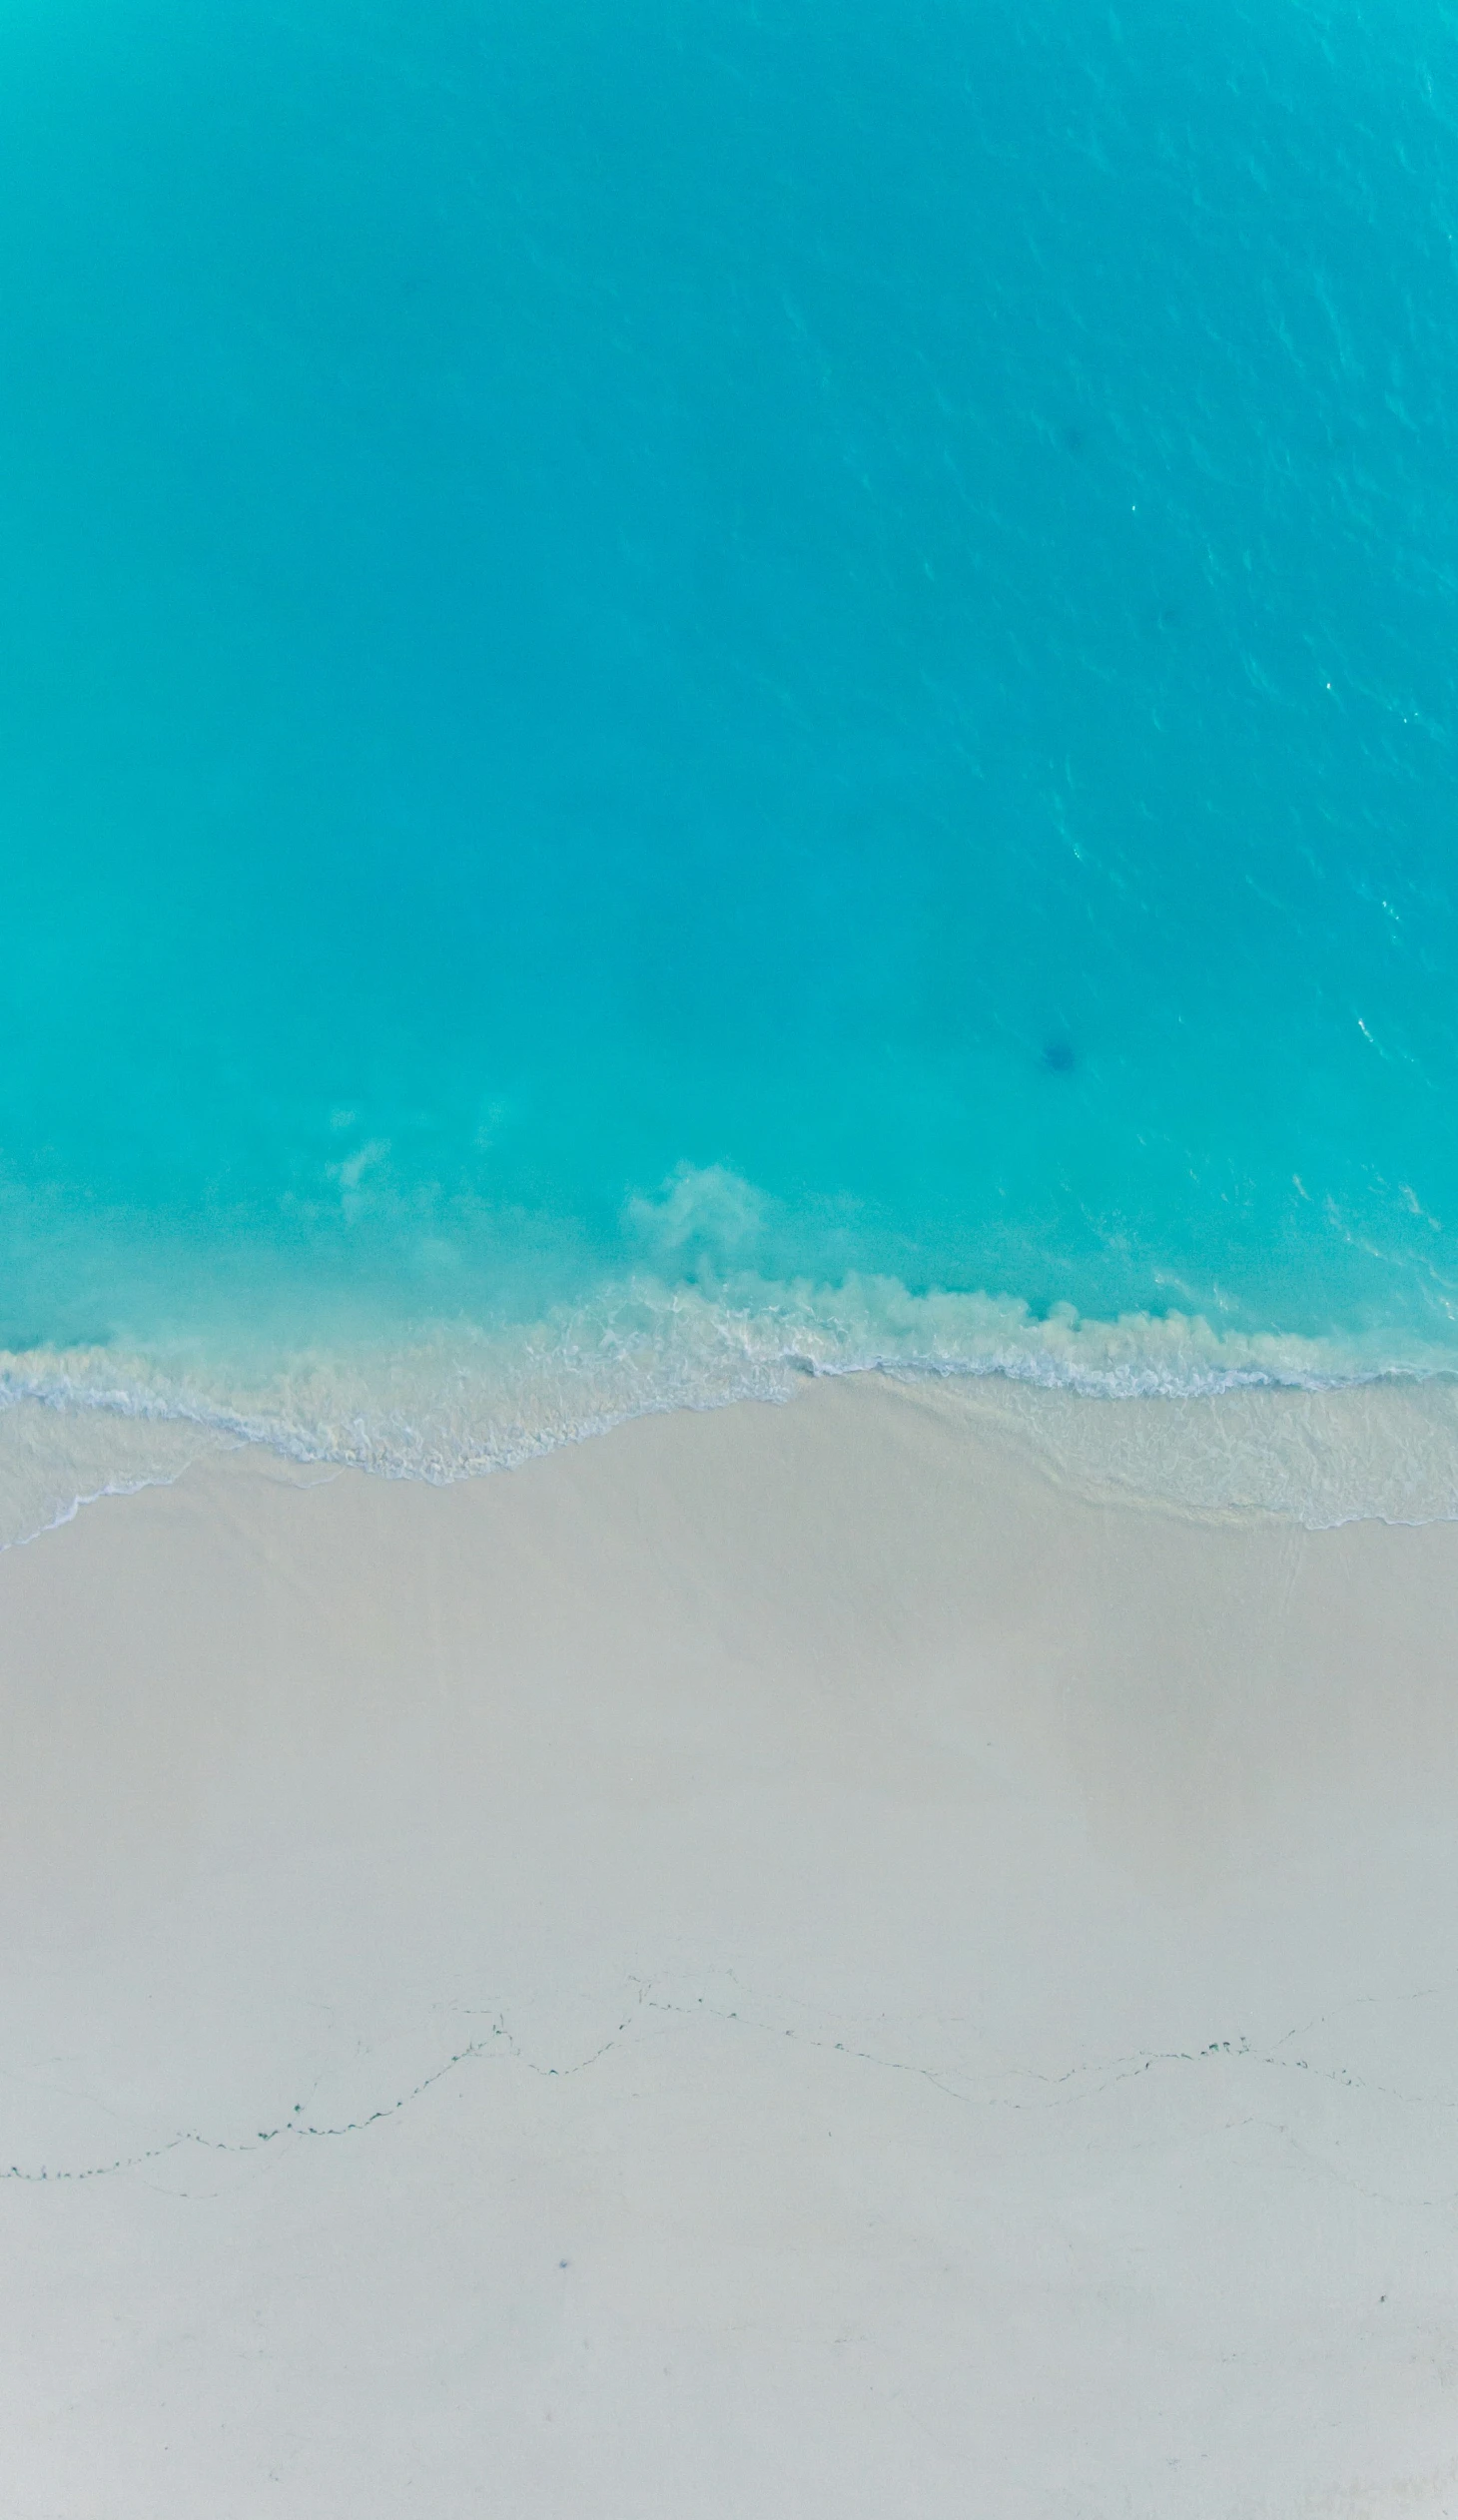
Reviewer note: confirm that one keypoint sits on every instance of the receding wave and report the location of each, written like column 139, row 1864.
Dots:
column 1322, row 1429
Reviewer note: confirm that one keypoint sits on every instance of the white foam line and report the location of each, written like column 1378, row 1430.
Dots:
column 453, row 1400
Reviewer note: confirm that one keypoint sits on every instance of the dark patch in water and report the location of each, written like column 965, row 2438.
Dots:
column 1061, row 1059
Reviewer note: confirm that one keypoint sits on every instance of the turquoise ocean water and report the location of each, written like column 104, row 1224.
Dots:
column 698, row 689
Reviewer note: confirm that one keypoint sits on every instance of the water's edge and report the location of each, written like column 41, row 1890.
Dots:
column 1168, row 1408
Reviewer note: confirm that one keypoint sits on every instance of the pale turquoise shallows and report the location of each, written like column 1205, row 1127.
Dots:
column 797, row 653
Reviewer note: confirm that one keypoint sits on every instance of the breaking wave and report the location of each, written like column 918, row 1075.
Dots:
column 1325, row 1429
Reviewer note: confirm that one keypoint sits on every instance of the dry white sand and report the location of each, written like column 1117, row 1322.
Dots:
column 780, row 1962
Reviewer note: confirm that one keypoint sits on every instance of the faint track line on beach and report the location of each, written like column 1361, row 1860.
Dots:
column 302, row 2128
column 1092, row 2081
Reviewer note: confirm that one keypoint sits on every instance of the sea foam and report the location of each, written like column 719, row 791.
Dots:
column 1185, row 1412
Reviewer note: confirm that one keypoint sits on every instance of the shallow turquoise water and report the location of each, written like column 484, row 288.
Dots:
column 799, row 653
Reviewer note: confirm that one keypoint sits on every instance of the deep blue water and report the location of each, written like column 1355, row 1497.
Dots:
column 718, row 645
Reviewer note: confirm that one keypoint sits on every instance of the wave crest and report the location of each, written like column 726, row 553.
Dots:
column 453, row 1400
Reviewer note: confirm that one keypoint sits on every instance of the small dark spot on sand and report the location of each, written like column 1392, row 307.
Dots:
column 1059, row 1059
column 564, row 2262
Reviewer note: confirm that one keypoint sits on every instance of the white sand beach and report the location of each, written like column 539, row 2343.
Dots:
column 788, row 1961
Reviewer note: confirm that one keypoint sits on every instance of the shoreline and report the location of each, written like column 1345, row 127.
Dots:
column 1324, row 1430
column 784, row 1958
column 1381, row 1449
